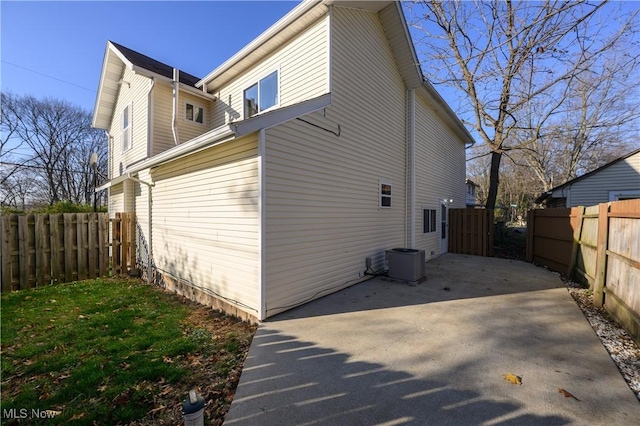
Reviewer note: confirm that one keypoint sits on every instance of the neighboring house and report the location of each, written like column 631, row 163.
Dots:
column 268, row 182
column 617, row 180
column 470, row 194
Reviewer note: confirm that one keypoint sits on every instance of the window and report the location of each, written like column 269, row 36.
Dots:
column 385, row 194
column 126, row 128
column 193, row 113
column 429, row 221
column 261, row 96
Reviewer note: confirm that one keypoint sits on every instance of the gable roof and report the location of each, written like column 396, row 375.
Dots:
column 550, row 192
column 150, row 64
column 116, row 59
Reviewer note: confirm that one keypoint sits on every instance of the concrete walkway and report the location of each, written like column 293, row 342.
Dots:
column 384, row 353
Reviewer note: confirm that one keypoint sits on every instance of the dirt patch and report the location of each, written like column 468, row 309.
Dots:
column 215, row 369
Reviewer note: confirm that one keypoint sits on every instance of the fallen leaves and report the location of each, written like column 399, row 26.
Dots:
column 516, row 380
column 567, row 394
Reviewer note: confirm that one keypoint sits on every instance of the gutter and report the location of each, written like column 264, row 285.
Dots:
column 194, row 91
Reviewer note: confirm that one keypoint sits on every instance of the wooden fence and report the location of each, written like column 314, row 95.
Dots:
column 41, row 249
column 598, row 245
column 471, row 231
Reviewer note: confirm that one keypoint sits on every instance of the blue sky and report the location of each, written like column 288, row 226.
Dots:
column 55, row 49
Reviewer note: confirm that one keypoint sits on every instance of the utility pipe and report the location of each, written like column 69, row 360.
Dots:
column 174, row 122
column 149, row 237
column 150, row 117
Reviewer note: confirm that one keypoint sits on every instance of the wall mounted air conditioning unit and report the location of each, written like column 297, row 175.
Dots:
column 405, row 264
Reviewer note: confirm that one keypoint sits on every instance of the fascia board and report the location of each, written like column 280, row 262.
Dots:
column 281, row 115
column 150, row 74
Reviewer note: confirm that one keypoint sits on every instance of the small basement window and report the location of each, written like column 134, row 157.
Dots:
column 429, row 221
column 193, row 113
column 261, row 96
column 385, row 194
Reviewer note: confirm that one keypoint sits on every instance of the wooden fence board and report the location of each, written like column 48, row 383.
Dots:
column 5, row 229
column 606, row 246
column 57, row 248
column 103, row 244
column 23, row 249
column 82, row 247
column 92, row 249
column 471, row 231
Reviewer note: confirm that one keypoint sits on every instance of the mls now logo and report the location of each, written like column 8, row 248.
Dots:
column 23, row 413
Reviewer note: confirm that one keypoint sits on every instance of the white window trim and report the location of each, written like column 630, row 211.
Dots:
column 195, row 105
column 257, row 81
column 381, row 196
column 130, row 121
column 437, row 227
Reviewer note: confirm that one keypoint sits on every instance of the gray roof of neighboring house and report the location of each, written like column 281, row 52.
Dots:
column 151, row 64
column 548, row 194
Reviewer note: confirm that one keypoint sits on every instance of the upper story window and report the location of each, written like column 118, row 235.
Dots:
column 261, row 96
column 193, row 113
column 126, row 128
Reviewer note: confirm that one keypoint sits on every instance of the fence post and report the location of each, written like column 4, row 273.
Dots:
column 531, row 220
column 577, row 235
column 601, row 257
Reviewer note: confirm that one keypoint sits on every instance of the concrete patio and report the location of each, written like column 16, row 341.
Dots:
column 384, row 353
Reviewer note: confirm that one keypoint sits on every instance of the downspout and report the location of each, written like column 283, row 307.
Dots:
column 109, row 165
column 150, row 118
column 109, row 160
column 411, row 166
column 174, row 118
column 149, row 237
column 262, row 303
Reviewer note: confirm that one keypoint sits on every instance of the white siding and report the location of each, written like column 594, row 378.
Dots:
column 440, row 173
column 163, row 117
column 134, row 92
column 621, row 176
column 141, row 209
column 302, row 65
column 116, row 200
column 205, row 221
column 322, row 214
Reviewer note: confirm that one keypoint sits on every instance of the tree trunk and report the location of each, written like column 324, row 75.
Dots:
column 494, row 180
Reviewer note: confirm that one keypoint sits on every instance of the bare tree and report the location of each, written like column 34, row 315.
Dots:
column 502, row 57
column 60, row 141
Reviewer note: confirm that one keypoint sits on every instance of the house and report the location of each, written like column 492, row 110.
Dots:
column 617, row 180
column 273, row 179
column 470, row 193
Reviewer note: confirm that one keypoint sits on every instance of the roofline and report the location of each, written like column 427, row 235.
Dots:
column 281, row 24
column 434, row 95
column 592, row 172
column 103, row 71
column 187, row 88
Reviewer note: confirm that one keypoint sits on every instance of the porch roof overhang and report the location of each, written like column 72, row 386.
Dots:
column 222, row 134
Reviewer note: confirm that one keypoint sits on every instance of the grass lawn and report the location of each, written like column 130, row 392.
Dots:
column 112, row 351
